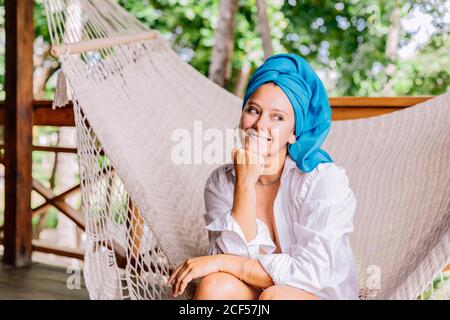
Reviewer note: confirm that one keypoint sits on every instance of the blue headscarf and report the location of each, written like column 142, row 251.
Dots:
column 309, row 99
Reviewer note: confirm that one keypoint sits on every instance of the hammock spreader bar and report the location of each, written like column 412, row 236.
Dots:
column 89, row 45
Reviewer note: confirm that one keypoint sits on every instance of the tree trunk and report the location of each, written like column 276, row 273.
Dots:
column 44, row 67
column 220, row 67
column 393, row 34
column 241, row 83
column 264, row 28
column 391, row 53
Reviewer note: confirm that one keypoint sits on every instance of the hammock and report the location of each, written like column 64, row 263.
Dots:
column 143, row 212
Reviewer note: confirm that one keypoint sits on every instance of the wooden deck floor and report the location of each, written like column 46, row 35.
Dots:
column 38, row 282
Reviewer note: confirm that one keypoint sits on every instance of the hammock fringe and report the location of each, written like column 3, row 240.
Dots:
column 62, row 94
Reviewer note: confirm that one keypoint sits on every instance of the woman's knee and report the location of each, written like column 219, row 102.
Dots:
column 280, row 292
column 218, row 285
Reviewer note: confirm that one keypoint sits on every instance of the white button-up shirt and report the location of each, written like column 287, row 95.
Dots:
column 313, row 214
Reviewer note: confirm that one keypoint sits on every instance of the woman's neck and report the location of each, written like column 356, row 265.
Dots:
column 273, row 168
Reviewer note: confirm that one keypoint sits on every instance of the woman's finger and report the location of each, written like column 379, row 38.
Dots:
column 176, row 285
column 233, row 154
column 188, row 278
column 238, row 156
column 180, row 278
column 175, row 280
column 173, row 276
column 247, row 142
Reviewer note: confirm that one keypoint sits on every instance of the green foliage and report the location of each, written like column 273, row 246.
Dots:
column 440, row 285
column 187, row 24
column 429, row 71
column 51, row 218
column 103, row 162
column 345, row 41
column 349, row 38
column 40, row 21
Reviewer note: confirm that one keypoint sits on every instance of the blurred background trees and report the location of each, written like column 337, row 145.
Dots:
column 364, row 47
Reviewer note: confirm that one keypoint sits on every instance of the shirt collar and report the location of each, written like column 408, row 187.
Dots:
column 289, row 164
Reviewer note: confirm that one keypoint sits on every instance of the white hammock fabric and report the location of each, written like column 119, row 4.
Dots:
column 143, row 212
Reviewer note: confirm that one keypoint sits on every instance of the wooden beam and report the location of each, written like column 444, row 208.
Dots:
column 49, row 149
column 75, row 215
column 44, row 115
column 347, row 108
column 49, row 202
column 55, row 149
column 58, row 250
column 348, row 113
column 19, row 32
column 398, row 102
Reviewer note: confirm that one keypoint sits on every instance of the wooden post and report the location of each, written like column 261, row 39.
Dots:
column 18, row 131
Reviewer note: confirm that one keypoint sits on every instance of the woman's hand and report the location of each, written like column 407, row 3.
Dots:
column 248, row 165
column 193, row 268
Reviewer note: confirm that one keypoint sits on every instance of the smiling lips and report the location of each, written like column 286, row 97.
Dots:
column 252, row 134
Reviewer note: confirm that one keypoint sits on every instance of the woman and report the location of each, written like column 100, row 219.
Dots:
column 279, row 217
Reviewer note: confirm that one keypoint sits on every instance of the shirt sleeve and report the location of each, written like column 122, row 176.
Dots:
column 224, row 232
column 320, row 260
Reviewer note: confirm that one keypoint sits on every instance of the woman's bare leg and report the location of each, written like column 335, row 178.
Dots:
column 224, row 286
column 283, row 292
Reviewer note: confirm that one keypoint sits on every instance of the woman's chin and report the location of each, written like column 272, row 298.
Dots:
column 261, row 149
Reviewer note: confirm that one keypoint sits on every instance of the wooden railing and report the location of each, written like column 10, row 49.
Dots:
column 343, row 108
column 346, row 108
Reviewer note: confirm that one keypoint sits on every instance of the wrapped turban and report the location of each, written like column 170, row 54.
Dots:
column 309, row 100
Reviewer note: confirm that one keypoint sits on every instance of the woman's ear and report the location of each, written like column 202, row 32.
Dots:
column 292, row 138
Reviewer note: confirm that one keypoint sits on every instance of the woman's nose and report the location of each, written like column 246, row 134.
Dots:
column 262, row 124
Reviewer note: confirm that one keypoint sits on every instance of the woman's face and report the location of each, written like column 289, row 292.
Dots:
column 268, row 119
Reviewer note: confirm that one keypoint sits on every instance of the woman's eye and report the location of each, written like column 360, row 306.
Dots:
column 278, row 117
column 252, row 110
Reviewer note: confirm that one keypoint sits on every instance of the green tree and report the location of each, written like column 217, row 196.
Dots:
column 347, row 42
